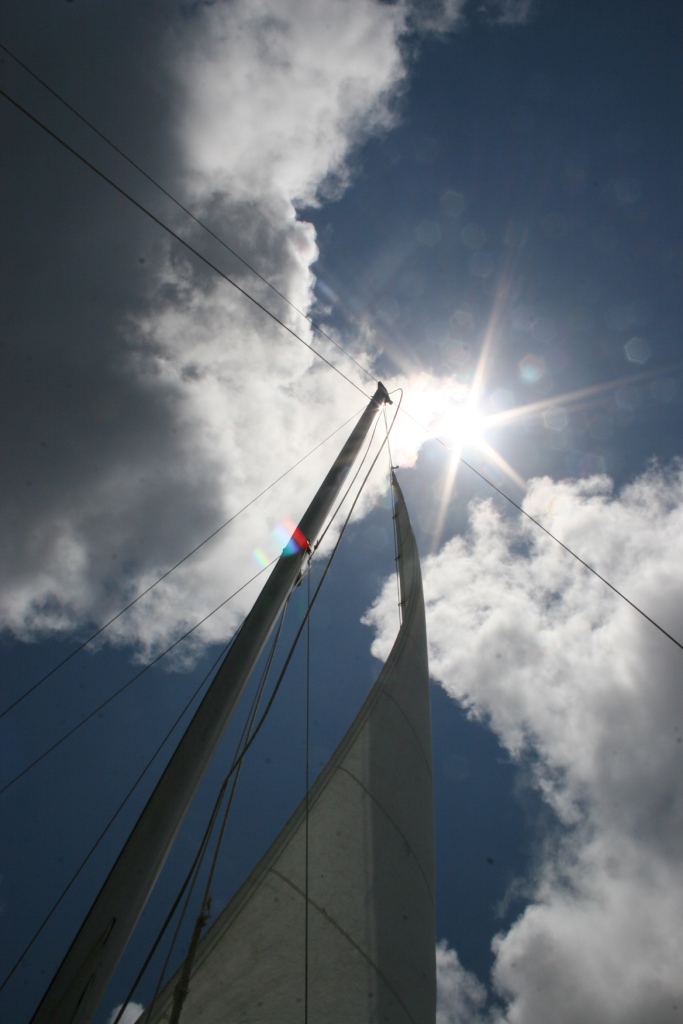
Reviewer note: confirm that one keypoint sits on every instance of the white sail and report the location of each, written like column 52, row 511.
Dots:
column 371, row 953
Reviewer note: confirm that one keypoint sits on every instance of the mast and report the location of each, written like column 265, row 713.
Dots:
column 79, row 984
column 335, row 924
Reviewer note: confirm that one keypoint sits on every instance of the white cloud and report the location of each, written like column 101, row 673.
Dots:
column 507, row 12
column 588, row 694
column 130, row 1014
column 147, row 400
column 460, row 996
column 437, row 16
column 276, row 93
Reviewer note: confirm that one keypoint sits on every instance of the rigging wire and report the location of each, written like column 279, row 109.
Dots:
column 394, row 522
column 125, row 686
column 190, row 879
column 552, row 536
column 168, row 572
column 158, row 658
column 176, row 902
column 318, row 588
column 174, row 234
column 182, row 987
column 180, row 206
column 162, row 931
column 349, row 488
column 120, row 807
column 199, row 858
column 307, row 782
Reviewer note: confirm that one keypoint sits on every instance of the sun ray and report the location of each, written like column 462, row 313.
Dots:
column 490, row 337
column 498, row 460
column 571, row 397
column 448, row 411
column 446, row 494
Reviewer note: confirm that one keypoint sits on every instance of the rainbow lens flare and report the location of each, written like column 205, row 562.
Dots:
column 289, row 534
column 286, row 539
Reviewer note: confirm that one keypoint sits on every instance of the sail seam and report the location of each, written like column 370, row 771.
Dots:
column 244, row 893
column 427, row 760
column 392, row 822
column 349, row 939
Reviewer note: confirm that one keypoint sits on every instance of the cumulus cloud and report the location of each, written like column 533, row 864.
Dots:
column 587, row 694
column 437, row 16
column 507, row 12
column 145, row 400
column 276, row 94
column 130, row 1014
column 460, row 996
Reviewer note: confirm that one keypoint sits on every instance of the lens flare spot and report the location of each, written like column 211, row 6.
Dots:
column 592, row 464
column 428, row 232
column 462, row 323
column 531, row 369
column 523, row 318
column 288, row 534
column 555, row 419
column 473, row 236
column 628, row 398
column 637, row 350
column 480, row 264
column 453, row 204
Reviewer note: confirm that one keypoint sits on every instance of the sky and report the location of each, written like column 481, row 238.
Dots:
column 482, row 203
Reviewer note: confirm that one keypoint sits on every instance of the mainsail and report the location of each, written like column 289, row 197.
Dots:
column 351, row 939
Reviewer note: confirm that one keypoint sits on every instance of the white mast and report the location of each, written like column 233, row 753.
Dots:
column 85, row 972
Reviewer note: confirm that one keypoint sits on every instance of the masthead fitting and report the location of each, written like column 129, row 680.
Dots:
column 381, row 395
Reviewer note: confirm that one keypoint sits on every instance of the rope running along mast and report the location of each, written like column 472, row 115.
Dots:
column 80, row 982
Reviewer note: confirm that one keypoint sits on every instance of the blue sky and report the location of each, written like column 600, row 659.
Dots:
column 481, row 202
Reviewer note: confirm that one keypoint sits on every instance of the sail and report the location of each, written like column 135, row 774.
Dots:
column 371, row 943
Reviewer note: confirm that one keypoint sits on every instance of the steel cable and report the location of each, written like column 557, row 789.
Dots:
column 168, row 572
column 180, row 206
column 176, row 236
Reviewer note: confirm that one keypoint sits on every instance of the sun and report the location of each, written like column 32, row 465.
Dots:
column 463, row 425
column 445, row 408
